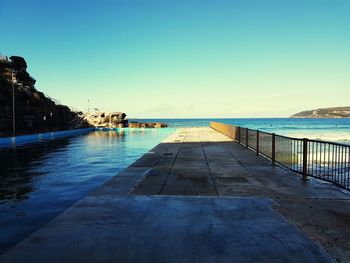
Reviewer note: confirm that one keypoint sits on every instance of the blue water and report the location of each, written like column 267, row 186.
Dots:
column 323, row 129
column 39, row 181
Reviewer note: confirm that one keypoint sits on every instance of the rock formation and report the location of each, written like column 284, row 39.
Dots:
column 147, row 125
column 106, row 120
column 34, row 111
column 116, row 120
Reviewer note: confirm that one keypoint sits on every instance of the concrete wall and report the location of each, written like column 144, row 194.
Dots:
column 227, row 129
column 28, row 139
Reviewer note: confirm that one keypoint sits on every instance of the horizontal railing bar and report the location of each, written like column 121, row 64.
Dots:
column 287, row 137
column 267, row 133
column 328, row 142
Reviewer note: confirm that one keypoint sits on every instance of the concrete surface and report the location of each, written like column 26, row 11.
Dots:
column 201, row 161
column 168, row 229
column 198, row 197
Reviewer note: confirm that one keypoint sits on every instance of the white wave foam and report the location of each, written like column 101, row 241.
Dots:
column 343, row 137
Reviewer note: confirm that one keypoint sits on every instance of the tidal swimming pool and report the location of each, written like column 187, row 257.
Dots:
column 39, row 181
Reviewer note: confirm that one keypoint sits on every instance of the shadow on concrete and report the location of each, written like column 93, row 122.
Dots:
column 213, row 165
column 219, row 167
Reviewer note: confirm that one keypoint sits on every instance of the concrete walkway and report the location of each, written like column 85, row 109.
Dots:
column 198, row 197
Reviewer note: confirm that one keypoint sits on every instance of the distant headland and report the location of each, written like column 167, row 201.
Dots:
column 334, row 112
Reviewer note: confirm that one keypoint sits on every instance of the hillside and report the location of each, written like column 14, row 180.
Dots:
column 335, row 112
column 34, row 112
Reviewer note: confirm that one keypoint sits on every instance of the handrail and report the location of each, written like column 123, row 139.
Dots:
column 329, row 161
column 59, row 102
column 56, row 101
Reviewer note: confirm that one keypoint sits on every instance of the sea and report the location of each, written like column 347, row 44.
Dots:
column 336, row 130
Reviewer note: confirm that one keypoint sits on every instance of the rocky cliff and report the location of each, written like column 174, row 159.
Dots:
column 335, row 112
column 106, row 120
column 147, row 125
column 117, row 120
column 34, row 112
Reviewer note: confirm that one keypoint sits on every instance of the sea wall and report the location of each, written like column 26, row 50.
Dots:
column 229, row 130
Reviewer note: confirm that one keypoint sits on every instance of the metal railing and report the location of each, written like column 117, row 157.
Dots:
column 328, row 161
column 56, row 101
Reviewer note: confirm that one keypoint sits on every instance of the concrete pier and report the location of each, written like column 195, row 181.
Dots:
column 198, row 197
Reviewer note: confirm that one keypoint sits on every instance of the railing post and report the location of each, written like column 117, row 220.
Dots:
column 305, row 164
column 257, row 142
column 273, row 157
column 239, row 134
column 246, row 138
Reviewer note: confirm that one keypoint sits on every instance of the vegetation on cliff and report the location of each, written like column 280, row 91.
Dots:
column 34, row 112
column 335, row 112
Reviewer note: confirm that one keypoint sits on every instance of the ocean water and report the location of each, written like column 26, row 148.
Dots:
column 39, row 181
column 337, row 130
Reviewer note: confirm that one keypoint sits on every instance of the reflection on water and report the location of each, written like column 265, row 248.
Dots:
column 39, row 181
column 16, row 180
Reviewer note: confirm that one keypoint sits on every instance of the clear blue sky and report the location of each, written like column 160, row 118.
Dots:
column 185, row 58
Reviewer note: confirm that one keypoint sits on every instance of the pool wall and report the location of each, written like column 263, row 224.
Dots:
column 26, row 139
column 47, row 136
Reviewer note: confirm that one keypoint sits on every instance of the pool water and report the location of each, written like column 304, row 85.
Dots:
column 39, row 181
